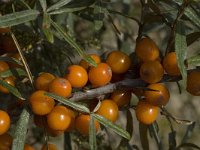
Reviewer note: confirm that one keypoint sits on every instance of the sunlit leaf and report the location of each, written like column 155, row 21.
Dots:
column 11, row 89
column 21, row 131
column 69, row 103
column 194, row 60
column 181, row 50
column 58, row 5
column 71, row 41
column 117, row 129
column 66, row 10
column 92, row 134
column 191, row 14
column 13, row 72
column 18, row 18
column 144, row 136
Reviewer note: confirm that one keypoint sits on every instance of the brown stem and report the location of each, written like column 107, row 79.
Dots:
column 173, row 26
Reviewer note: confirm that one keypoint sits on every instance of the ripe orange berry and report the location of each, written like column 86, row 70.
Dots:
column 109, row 110
column 8, row 44
column 4, row 122
column 5, row 141
column 121, row 97
column 28, row 147
column 43, row 80
column 77, row 76
column 193, row 83
column 59, row 118
column 86, row 65
column 151, row 71
column 100, row 75
column 3, row 66
column 41, row 122
column 9, row 80
column 4, row 30
column 170, row 64
column 147, row 50
column 118, row 61
column 50, row 147
column 72, row 114
column 40, row 103
column 61, row 87
column 146, row 113
column 159, row 97
column 82, row 124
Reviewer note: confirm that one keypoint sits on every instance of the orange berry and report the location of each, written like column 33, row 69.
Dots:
column 82, row 124
column 100, row 75
column 170, row 64
column 5, row 141
column 121, row 97
column 159, row 97
column 4, row 122
column 4, row 30
column 8, row 44
column 86, row 65
column 10, row 81
column 118, row 61
column 77, row 76
column 28, row 147
column 43, row 80
column 3, row 66
column 61, row 87
column 151, row 71
column 50, row 147
column 193, row 83
column 146, row 113
column 18, row 58
column 147, row 50
column 40, row 103
column 59, row 118
column 109, row 110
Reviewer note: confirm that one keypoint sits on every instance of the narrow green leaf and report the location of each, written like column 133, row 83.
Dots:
column 66, row 10
column 188, row 132
column 70, row 40
column 18, row 18
column 172, row 139
column 92, row 134
column 13, row 72
column 21, row 131
column 194, row 60
column 80, row 3
column 181, row 50
column 11, row 60
column 58, row 5
column 129, row 124
column 98, row 16
column 43, row 3
column 144, row 136
column 191, row 145
column 69, row 103
column 11, row 88
column 191, row 14
column 46, row 28
column 117, row 129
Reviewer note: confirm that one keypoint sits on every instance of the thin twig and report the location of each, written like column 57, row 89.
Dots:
column 173, row 26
